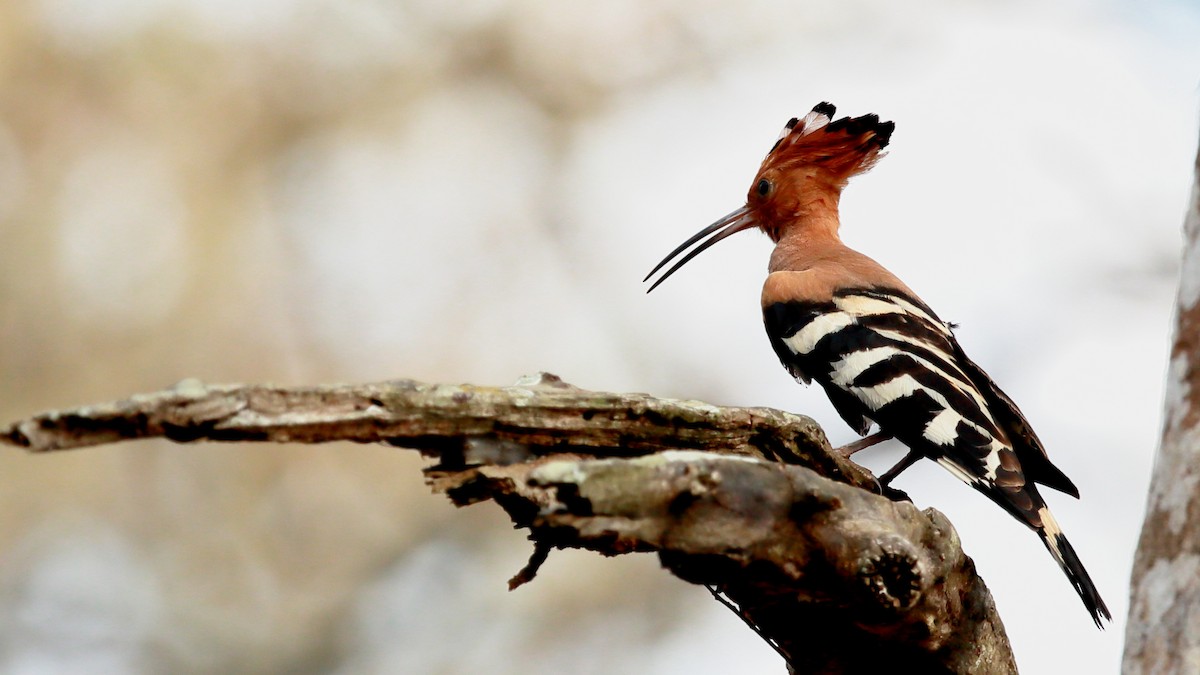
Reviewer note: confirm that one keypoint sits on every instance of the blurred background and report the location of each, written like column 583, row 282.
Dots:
column 311, row 191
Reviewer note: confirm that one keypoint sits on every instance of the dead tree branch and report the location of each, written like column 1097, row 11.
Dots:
column 749, row 501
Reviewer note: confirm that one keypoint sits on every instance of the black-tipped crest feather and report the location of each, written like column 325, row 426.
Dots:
column 867, row 124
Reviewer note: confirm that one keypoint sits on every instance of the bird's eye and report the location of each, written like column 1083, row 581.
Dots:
column 763, row 187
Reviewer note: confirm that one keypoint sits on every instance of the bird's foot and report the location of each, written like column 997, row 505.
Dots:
column 894, row 494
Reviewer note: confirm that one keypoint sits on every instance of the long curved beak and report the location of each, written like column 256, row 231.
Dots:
column 733, row 223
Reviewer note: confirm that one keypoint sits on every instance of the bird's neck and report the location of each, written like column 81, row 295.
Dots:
column 815, row 260
column 806, row 240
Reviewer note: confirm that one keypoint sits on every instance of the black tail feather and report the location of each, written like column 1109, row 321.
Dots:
column 1065, row 554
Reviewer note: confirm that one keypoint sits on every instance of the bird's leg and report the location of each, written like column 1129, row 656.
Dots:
column 909, row 459
column 862, row 443
column 885, row 480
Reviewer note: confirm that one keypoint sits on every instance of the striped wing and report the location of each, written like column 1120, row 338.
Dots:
column 1034, row 460
column 885, row 358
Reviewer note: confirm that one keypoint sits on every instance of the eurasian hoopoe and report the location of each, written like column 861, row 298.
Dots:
column 883, row 357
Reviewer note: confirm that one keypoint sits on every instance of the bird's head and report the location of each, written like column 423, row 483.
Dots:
column 803, row 173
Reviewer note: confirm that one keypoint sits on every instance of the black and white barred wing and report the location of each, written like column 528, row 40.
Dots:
column 1032, row 455
column 886, row 358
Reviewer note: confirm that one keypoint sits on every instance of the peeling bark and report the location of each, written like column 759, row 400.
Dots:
column 748, row 501
column 1164, row 610
column 538, row 415
column 838, row 579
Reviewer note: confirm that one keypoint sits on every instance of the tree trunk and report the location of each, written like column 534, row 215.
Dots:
column 1163, row 632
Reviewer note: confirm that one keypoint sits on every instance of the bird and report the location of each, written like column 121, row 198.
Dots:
column 838, row 318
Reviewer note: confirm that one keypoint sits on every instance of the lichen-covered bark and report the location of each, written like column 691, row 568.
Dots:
column 841, row 580
column 1163, row 632
column 538, row 415
column 748, row 501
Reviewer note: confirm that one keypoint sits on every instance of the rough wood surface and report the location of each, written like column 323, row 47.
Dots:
column 1162, row 634
column 539, row 414
column 837, row 578
column 748, row 501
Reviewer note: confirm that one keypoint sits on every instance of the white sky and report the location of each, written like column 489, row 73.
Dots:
column 1033, row 193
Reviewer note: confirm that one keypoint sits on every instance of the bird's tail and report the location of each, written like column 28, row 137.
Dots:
column 842, row 148
column 1052, row 536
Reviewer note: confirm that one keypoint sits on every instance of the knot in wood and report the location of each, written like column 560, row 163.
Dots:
column 892, row 576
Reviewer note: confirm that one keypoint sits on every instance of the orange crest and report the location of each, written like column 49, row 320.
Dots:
column 839, row 149
column 800, row 181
